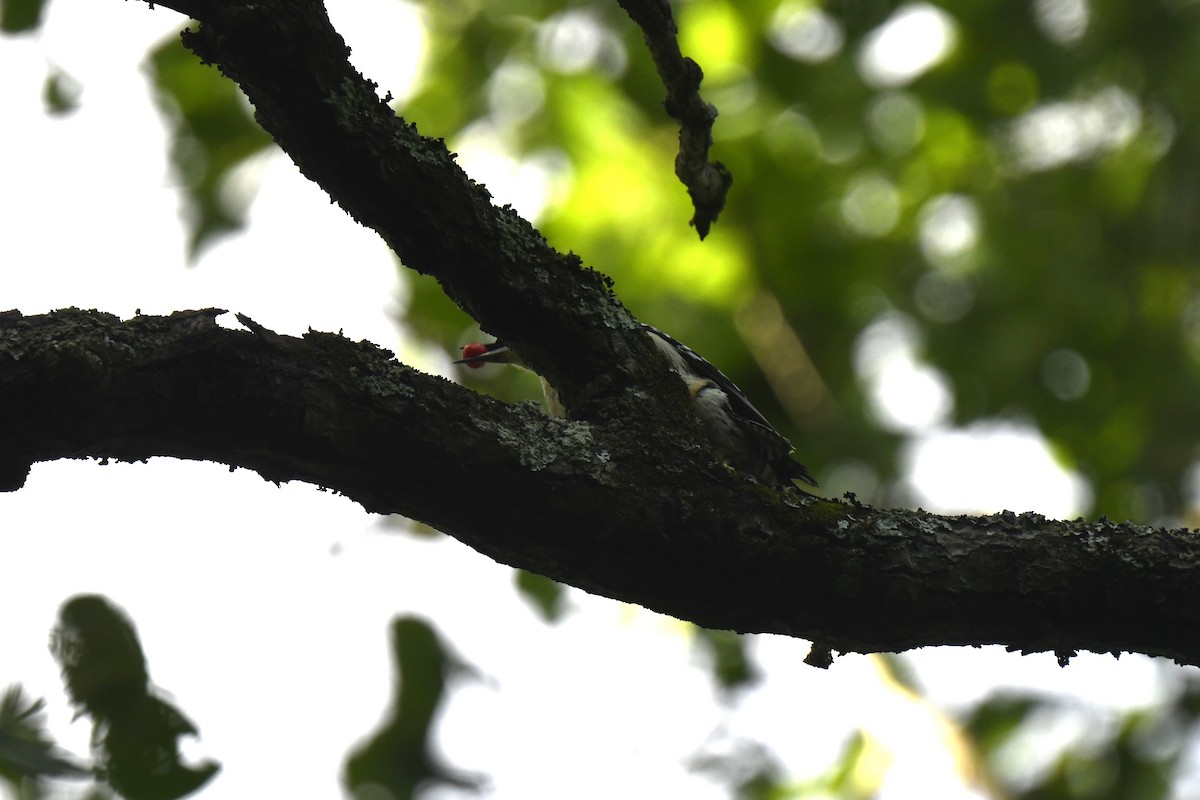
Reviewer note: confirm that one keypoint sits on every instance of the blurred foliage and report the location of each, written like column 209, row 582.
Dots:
column 60, row 93
column 27, row 753
column 20, row 16
column 1139, row 754
column 748, row 769
column 752, row 772
column 1025, row 204
column 135, row 734
column 399, row 760
column 898, row 670
column 546, row 595
column 855, row 776
column 213, row 134
column 731, row 666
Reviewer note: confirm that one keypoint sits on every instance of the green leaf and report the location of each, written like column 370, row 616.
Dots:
column 732, row 668
column 995, row 721
column 544, row 594
column 61, row 93
column 136, row 733
column 401, row 758
column 20, row 16
column 213, row 133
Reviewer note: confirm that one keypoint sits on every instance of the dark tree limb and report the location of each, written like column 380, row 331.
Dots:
column 707, row 181
column 658, row 522
column 622, row 501
column 294, row 68
column 562, row 317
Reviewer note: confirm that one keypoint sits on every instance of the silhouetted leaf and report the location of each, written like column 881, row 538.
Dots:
column 213, row 133
column 135, row 734
column 399, row 758
column 546, row 595
column 732, row 668
column 20, row 16
column 61, row 93
column 27, row 753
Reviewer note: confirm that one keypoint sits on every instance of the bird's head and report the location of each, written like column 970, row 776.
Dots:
column 476, row 354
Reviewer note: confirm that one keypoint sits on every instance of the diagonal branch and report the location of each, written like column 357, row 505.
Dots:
column 293, row 66
column 707, row 181
column 592, row 504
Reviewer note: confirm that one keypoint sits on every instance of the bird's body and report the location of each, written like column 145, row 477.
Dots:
column 736, row 429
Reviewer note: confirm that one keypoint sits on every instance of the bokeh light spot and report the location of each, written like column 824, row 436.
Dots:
column 1066, row 375
column 871, row 205
column 804, row 32
column 896, row 121
column 943, row 298
column 1058, row 133
column 714, row 35
column 912, row 41
column 515, row 92
column 904, row 394
column 576, row 40
column 948, row 230
column 1063, row 21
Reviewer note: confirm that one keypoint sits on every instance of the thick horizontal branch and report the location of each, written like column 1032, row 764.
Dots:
column 643, row 519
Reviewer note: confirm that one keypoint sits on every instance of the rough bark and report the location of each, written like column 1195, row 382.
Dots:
column 707, row 181
column 654, row 522
column 623, row 500
column 293, row 66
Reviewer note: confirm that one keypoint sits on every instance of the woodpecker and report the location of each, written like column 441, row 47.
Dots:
column 736, row 429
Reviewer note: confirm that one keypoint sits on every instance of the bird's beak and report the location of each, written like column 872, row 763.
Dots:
column 476, row 354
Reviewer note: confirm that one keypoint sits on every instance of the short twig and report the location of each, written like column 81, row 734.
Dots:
column 707, row 181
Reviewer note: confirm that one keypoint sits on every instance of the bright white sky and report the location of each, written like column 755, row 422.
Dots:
column 264, row 610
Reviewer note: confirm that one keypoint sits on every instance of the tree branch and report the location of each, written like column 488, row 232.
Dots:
column 657, row 523
column 293, row 67
column 620, row 502
column 707, row 181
